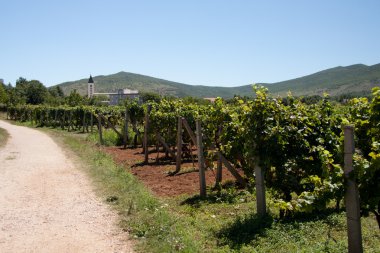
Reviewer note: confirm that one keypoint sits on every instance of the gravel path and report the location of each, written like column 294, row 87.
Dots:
column 47, row 204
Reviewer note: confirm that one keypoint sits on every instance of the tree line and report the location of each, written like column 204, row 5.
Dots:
column 33, row 92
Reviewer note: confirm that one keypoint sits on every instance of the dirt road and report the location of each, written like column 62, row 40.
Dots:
column 47, row 204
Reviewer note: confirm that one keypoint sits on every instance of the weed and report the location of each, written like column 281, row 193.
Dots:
column 3, row 137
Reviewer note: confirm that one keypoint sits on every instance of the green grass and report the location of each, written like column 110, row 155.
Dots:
column 3, row 137
column 225, row 221
column 110, row 138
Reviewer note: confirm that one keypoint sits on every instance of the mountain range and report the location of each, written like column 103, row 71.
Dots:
column 356, row 79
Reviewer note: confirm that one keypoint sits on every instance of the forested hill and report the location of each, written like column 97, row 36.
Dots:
column 354, row 79
column 144, row 83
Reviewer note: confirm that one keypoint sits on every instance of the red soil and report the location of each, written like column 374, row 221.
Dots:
column 156, row 175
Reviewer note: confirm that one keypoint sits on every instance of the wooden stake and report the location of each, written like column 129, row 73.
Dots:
column 70, row 126
column 86, row 113
column 260, row 189
column 231, row 169
column 137, row 134
column 84, row 121
column 63, row 120
column 55, row 118
column 219, row 169
column 92, row 122
column 189, row 131
column 201, row 166
column 109, row 124
column 100, row 129
column 126, row 128
column 146, row 129
column 179, row 146
column 166, row 146
column 354, row 230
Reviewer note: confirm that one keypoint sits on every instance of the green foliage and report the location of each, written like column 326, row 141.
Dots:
column 366, row 117
column 36, row 93
column 3, row 137
column 56, row 92
column 299, row 146
column 74, row 99
column 3, row 94
column 195, row 100
column 149, row 97
column 28, row 92
column 135, row 111
column 55, row 96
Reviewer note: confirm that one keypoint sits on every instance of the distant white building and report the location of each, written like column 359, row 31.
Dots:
column 114, row 98
column 121, row 95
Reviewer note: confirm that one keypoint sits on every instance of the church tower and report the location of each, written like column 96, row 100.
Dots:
column 90, row 87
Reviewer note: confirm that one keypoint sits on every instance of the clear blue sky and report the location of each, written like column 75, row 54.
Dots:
column 206, row 42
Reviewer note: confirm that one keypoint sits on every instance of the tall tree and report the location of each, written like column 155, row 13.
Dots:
column 3, row 94
column 36, row 92
column 56, row 92
column 74, row 99
column 18, row 95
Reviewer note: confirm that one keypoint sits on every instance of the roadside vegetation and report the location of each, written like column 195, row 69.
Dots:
column 3, row 137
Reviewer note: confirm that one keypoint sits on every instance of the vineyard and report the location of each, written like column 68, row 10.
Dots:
column 298, row 147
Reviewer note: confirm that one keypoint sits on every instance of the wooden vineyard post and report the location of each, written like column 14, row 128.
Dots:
column 231, row 169
column 100, row 129
column 260, row 189
column 126, row 128
column 189, row 131
column 63, row 120
column 84, row 122
column 219, row 170
column 137, row 133
column 92, row 122
column 42, row 119
column 55, row 118
column 112, row 126
column 354, row 230
column 146, row 128
column 86, row 113
column 70, row 123
column 166, row 146
column 179, row 146
column 201, row 166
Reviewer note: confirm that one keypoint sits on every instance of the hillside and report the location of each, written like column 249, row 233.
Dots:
column 356, row 79
column 111, row 83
